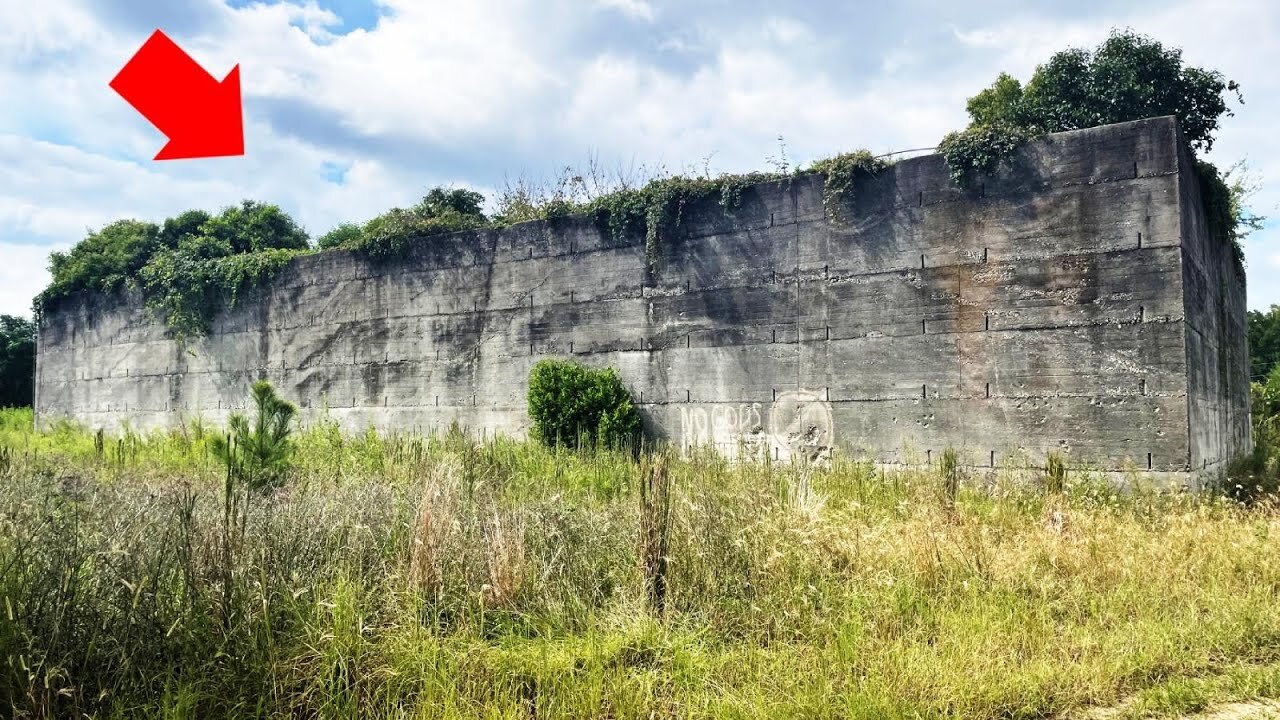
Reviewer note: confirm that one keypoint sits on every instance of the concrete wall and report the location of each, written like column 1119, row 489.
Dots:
column 1073, row 303
column 1217, row 338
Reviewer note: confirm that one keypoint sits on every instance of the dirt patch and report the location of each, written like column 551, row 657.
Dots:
column 1251, row 710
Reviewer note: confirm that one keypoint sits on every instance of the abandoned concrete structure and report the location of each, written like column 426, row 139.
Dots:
column 1075, row 302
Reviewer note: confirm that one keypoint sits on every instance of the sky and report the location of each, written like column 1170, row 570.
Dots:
column 355, row 106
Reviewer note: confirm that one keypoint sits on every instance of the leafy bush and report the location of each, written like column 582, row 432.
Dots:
column 392, row 234
column 105, row 261
column 573, row 405
column 17, row 361
column 258, row 456
column 253, row 227
column 441, row 201
column 1000, row 104
column 980, row 149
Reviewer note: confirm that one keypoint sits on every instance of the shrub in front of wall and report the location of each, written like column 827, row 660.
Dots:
column 574, row 405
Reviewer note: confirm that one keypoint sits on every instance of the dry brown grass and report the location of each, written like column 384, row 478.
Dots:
column 436, row 524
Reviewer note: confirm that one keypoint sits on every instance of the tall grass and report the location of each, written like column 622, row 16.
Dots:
column 404, row 576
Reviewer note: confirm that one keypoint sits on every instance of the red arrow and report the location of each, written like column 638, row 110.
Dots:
column 200, row 116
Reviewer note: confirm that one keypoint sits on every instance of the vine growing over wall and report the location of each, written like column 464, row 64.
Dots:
column 186, row 291
column 659, row 208
column 842, row 174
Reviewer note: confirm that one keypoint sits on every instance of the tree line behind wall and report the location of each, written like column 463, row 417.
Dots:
column 17, row 361
column 1264, row 342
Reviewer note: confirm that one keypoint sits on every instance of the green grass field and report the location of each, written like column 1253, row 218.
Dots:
column 399, row 576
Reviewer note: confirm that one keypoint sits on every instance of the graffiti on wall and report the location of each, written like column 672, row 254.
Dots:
column 798, row 425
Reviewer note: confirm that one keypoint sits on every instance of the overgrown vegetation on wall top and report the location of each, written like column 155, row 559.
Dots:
column 193, row 265
column 187, row 267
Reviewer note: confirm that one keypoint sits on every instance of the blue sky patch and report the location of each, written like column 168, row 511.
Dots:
column 355, row 14
column 335, row 172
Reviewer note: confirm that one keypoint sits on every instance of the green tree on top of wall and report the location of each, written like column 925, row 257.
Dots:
column 441, row 210
column 113, row 257
column 1127, row 77
column 393, row 233
column 17, row 361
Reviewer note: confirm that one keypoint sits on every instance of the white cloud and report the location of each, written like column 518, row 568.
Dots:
column 636, row 9
column 446, row 92
column 787, row 31
column 23, row 274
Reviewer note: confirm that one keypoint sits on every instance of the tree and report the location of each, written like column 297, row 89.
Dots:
column 258, row 456
column 439, row 201
column 252, row 226
column 189, row 224
column 17, row 361
column 113, row 258
column 106, row 260
column 395, row 232
column 1264, row 342
column 999, row 104
column 340, row 236
column 1128, row 77
column 1242, row 185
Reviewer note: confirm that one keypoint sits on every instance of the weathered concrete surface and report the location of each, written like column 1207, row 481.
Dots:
column 1073, row 303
